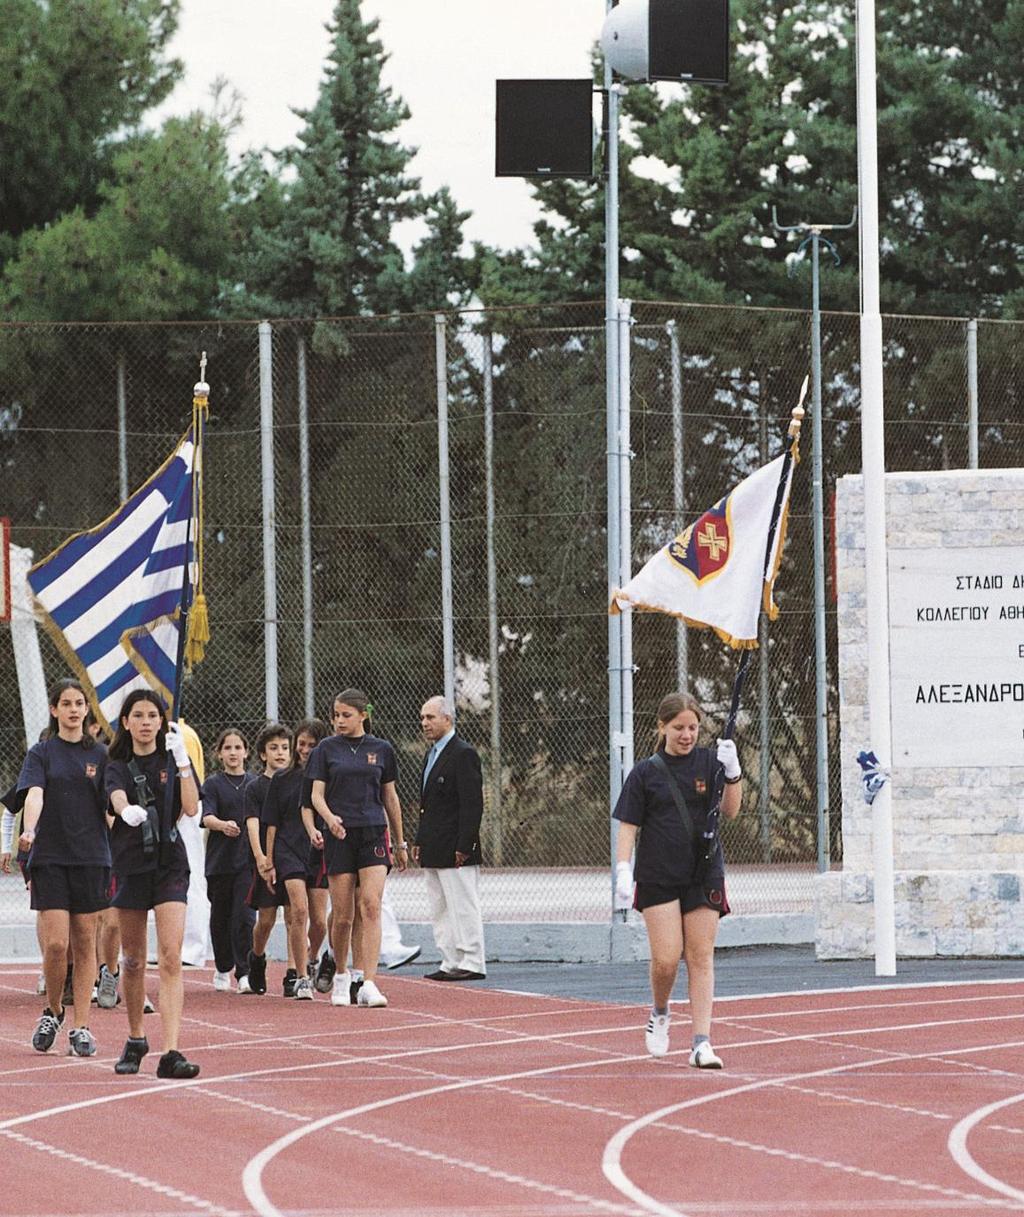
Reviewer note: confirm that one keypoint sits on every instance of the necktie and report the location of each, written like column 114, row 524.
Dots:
column 431, row 758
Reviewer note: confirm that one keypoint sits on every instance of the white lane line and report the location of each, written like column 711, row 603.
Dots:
column 962, row 1156
column 162, row 1189
column 612, row 1158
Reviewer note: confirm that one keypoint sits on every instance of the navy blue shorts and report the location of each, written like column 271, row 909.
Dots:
column 260, row 896
column 165, row 885
column 690, row 896
column 76, row 889
column 360, row 849
column 316, row 874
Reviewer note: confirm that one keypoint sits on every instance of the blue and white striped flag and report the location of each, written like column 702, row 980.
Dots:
column 112, row 597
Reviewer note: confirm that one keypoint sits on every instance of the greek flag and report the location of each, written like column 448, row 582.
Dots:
column 112, row 597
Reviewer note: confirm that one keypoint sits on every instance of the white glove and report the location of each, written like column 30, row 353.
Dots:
column 623, row 885
column 133, row 815
column 176, row 746
column 728, row 759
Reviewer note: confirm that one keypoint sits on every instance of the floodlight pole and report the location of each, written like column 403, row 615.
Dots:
column 818, row 521
column 873, row 461
column 616, row 734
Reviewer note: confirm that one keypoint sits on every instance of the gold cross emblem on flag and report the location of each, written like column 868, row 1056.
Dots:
column 709, row 539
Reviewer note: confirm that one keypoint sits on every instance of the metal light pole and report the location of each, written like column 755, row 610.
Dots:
column 616, row 775
column 814, row 239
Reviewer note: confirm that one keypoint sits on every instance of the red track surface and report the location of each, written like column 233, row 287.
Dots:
column 462, row 1100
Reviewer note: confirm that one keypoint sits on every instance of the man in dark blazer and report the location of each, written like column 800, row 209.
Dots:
column 448, row 843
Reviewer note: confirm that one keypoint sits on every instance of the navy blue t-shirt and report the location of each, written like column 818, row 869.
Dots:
column 354, row 772
column 282, row 808
column 255, row 797
column 665, row 854
column 126, row 842
column 72, row 829
column 224, row 798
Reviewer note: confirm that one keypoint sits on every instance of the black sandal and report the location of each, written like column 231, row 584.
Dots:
column 131, row 1057
column 174, row 1065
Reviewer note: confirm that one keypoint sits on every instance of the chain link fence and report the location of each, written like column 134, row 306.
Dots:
column 354, row 538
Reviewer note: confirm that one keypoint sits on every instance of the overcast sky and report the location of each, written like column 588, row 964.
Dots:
column 445, row 58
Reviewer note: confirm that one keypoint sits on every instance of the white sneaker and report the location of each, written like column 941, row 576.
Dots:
column 656, row 1035
column 402, row 956
column 339, row 989
column 370, row 995
column 222, row 982
column 703, row 1057
column 243, row 985
column 303, row 989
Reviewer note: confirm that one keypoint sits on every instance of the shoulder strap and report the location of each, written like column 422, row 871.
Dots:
column 677, row 794
column 143, row 794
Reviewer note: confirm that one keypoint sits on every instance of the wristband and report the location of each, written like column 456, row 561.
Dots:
column 401, row 845
column 733, row 781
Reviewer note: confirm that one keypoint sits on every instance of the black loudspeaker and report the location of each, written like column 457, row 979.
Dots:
column 689, row 41
column 544, row 128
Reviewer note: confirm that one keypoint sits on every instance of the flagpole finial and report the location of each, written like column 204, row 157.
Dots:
column 201, row 388
column 798, row 413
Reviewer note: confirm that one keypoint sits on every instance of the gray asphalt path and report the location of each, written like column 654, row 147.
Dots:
column 739, row 971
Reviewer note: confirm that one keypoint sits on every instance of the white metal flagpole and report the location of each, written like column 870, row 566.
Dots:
column 873, row 461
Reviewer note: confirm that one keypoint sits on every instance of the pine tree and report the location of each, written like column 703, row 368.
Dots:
column 76, row 73
column 332, row 252
column 783, row 134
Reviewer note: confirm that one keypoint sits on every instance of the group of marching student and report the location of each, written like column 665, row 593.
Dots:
column 265, row 852
column 99, row 833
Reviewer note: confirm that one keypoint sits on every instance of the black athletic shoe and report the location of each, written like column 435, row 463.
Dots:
column 291, row 979
column 353, row 991
column 131, row 1056
column 47, row 1030
column 173, row 1065
column 258, row 972
column 325, row 973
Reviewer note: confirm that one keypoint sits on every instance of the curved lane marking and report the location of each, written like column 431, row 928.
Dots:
column 962, row 1156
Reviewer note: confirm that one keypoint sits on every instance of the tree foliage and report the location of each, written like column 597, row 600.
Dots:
column 702, row 168
column 331, row 248
column 76, row 74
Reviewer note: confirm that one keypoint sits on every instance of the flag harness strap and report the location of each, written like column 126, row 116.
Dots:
column 677, row 795
column 146, row 798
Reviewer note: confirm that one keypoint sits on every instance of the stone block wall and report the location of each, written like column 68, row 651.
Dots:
column 958, row 828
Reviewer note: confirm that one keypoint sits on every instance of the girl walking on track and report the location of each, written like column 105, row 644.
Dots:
column 353, row 775
column 150, row 785
column 288, row 844
column 668, row 797
column 274, row 748
column 64, row 830
column 228, row 860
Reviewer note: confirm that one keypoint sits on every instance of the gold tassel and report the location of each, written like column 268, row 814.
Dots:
column 198, row 631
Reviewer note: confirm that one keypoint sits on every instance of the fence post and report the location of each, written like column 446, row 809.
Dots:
column 972, row 393
column 678, row 476
column 444, row 492
column 307, row 531
column 764, row 811
column 818, row 521
column 492, row 605
column 269, row 519
column 122, row 428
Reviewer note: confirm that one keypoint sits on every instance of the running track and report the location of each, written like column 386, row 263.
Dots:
column 462, row 1100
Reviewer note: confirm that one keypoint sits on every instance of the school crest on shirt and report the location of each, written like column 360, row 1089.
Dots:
column 700, row 786
column 163, row 777
column 371, row 758
column 90, row 769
